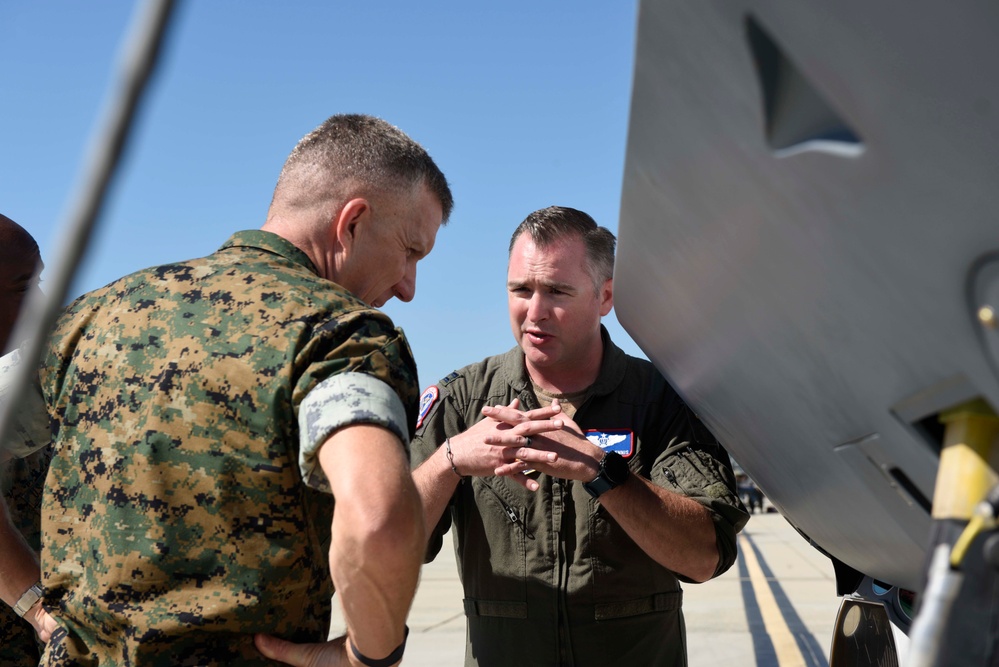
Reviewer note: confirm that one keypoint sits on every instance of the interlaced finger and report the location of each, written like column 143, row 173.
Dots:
column 523, row 435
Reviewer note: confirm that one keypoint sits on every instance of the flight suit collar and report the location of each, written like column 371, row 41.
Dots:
column 270, row 242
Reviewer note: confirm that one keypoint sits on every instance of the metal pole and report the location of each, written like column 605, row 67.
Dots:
column 136, row 65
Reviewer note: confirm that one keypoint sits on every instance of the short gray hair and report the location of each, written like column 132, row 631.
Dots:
column 356, row 150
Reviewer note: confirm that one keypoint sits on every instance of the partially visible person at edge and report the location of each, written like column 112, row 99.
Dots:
column 577, row 518
column 207, row 413
column 22, row 475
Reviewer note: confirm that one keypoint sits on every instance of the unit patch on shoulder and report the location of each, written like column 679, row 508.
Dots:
column 620, row 440
column 427, row 400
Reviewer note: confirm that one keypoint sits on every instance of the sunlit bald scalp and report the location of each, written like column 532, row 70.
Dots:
column 19, row 263
column 15, row 241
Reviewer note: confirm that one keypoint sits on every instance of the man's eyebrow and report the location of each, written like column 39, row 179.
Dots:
column 562, row 287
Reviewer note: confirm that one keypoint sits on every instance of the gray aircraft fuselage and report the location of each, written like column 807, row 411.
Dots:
column 808, row 231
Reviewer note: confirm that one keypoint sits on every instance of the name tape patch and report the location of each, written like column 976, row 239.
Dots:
column 621, row 440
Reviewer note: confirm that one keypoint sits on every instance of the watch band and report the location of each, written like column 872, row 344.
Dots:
column 598, row 486
column 605, row 479
column 28, row 600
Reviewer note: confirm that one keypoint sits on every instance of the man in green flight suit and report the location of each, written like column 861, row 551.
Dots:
column 207, row 413
column 575, row 519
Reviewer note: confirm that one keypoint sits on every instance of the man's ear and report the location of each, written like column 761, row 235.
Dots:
column 345, row 224
column 606, row 297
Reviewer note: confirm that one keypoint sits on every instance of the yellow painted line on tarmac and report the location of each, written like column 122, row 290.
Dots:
column 785, row 647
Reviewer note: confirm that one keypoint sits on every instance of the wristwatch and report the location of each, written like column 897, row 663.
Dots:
column 28, row 600
column 613, row 473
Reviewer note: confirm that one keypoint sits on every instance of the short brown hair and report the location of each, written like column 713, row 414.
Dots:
column 548, row 225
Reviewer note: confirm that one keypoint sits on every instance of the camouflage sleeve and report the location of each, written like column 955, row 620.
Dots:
column 31, row 425
column 695, row 464
column 342, row 400
column 360, row 341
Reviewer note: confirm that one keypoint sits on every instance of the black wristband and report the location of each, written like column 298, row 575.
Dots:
column 392, row 658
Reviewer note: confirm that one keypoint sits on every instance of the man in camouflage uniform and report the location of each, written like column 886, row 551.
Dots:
column 22, row 472
column 575, row 520
column 207, row 413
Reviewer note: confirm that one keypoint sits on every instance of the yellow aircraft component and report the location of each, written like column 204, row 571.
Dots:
column 969, row 460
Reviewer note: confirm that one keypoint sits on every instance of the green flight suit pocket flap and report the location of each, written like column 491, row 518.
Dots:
column 659, row 602
column 495, row 608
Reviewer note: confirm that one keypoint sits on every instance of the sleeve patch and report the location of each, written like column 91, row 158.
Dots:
column 427, row 400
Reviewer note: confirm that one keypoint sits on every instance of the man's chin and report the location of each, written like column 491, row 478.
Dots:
column 536, row 357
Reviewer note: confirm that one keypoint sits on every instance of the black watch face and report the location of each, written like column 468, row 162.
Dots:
column 616, row 468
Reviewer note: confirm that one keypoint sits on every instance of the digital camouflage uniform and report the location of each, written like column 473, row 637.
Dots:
column 22, row 481
column 549, row 577
column 25, row 454
column 175, row 520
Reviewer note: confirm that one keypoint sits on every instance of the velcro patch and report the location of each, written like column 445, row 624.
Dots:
column 427, row 400
column 621, row 440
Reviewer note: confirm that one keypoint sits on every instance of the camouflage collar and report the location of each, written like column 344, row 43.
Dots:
column 270, row 242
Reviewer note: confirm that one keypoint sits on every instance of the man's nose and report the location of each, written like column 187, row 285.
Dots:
column 405, row 289
column 537, row 309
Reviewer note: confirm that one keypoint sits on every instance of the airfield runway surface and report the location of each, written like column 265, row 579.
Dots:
column 774, row 608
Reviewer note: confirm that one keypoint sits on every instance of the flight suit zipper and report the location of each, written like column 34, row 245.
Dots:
column 562, row 628
column 511, row 513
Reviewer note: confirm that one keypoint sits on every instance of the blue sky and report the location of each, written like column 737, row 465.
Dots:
column 523, row 104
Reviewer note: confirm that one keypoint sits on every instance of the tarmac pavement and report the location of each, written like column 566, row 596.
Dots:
column 776, row 607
